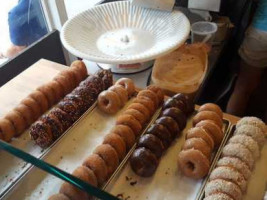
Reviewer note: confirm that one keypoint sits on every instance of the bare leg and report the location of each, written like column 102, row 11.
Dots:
column 248, row 80
column 12, row 51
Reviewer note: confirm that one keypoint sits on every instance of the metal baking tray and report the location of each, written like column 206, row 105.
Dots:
column 167, row 182
column 256, row 187
column 67, row 154
column 13, row 169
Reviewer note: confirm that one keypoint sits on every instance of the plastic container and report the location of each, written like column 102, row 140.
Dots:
column 203, row 32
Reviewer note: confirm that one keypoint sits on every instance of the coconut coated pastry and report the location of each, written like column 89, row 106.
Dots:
column 254, row 121
column 218, row 196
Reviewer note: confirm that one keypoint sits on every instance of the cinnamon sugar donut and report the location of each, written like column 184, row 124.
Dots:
column 98, row 166
column 129, row 120
column 26, row 112
column 70, row 76
column 41, row 99
column 64, row 83
column 85, row 174
column 49, row 93
column 229, row 174
column 59, row 197
column 108, row 102
column 147, row 103
column 58, row 89
column 254, row 121
column 149, row 95
column 199, row 132
column 170, row 124
column 158, row 91
column 7, row 130
column 213, row 130
column 141, row 108
column 78, row 75
column 128, row 84
column 223, row 186
column 198, row 144
column 237, row 164
column 33, row 105
column 193, row 163
column 208, row 115
column 121, row 92
column 137, row 115
column 218, row 196
column 239, row 151
column 109, row 155
column 162, row 133
column 41, row 133
column 1, row 136
column 248, row 142
column 126, row 133
column 78, row 64
column 19, row 123
column 211, row 107
column 117, row 143
column 177, row 115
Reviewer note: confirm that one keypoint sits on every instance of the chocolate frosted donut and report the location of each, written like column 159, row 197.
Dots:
column 64, row 119
column 177, row 115
column 129, row 120
column 158, row 91
column 170, row 124
column 26, row 112
column 19, row 123
column 121, row 92
column 150, row 105
column 153, row 143
column 70, row 108
column 211, row 107
column 85, row 93
column 137, row 115
column 54, row 124
column 193, row 163
column 149, row 95
column 169, row 103
column 82, row 106
column 41, row 133
column 208, row 115
column 41, row 99
column 162, row 133
column 128, row 84
column 33, row 105
column 187, row 101
column 143, row 162
column 64, row 82
column 117, row 143
column 98, row 166
column 7, row 130
column 106, row 76
column 59, row 197
column 126, row 133
column 198, row 144
column 199, row 132
column 80, row 66
column 141, row 108
column 49, row 93
column 109, row 155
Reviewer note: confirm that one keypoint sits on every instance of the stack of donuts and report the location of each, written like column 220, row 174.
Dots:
column 159, row 136
column 229, row 179
column 40, row 100
column 111, row 100
column 51, row 125
column 201, row 140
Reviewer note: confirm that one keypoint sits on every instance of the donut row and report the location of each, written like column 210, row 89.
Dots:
column 159, row 136
column 111, row 100
column 107, row 156
column 194, row 159
column 51, row 125
column 229, row 179
column 40, row 100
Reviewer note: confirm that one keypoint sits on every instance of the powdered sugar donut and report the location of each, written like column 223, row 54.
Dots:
column 218, row 196
column 254, row 121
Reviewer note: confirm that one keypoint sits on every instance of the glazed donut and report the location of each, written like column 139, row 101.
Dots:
column 59, row 197
column 121, row 92
column 143, row 162
column 158, row 91
column 229, row 174
column 198, row 144
column 218, row 196
column 150, row 96
column 169, row 103
column 211, row 107
column 213, row 130
column 254, row 121
column 239, row 151
column 58, row 89
column 237, row 164
column 65, row 84
column 252, row 131
column 41, row 99
column 7, row 130
column 54, row 124
column 147, row 103
column 199, row 132
column 126, row 133
column 187, row 101
column 26, row 112
column 129, row 120
column 248, row 142
column 80, row 66
column 108, row 102
column 98, row 166
column 208, row 115
column 117, row 143
column 106, row 76
column 49, row 93
column 193, row 163
column 141, row 108
column 33, row 105
column 153, row 143
column 128, row 84
column 109, row 155
column 162, row 133
column 137, row 115
column 177, row 115
column 223, row 186
column 170, row 124
column 19, row 123
column 62, row 117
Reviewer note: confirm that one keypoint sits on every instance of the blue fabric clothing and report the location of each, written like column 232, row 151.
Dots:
column 260, row 17
column 26, row 23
